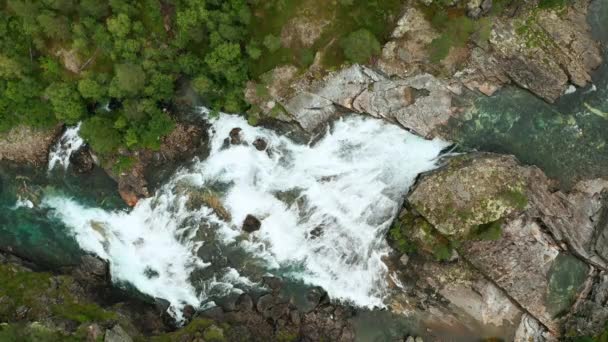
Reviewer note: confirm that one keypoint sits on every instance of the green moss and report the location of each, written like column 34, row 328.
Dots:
column 516, row 198
column 214, row 334
column 442, row 251
column 82, row 313
column 197, row 326
column 398, row 237
column 34, row 290
column 489, row 231
column 123, row 164
column 32, row 333
column 286, row 336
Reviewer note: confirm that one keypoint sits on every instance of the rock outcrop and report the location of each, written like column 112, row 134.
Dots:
column 27, row 145
column 182, row 143
column 536, row 246
column 420, row 103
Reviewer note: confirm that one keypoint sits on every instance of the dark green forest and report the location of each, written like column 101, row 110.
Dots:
column 130, row 54
column 66, row 61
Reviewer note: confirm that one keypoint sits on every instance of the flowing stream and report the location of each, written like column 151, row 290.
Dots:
column 67, row 144
column 324, row 211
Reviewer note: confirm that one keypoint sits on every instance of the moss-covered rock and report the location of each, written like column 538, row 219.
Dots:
column 470, row 192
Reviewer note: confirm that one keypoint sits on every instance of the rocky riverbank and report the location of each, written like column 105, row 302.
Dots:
column 81, row 304
column 501, row 247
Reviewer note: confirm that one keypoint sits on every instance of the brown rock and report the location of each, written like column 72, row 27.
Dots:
column 235, row 136
column 260, row 144
column 251, row 224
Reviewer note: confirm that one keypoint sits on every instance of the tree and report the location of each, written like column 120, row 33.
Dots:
column 360, row 46
column 119, row 26
column 130, row 79
column 66, row 102
column 89, row 89
column 100, row 133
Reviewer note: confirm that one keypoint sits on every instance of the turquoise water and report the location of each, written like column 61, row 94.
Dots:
column 568, row 140
column 33, row 234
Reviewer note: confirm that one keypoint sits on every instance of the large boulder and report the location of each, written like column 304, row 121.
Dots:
column 538, row 245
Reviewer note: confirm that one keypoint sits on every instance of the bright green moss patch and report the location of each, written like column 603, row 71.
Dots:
column 44, row 298
column 83, row 313
column 123, row 164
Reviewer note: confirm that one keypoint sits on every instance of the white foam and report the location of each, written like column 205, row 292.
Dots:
column 349, row 187
column 22, row 203
column 69, row 143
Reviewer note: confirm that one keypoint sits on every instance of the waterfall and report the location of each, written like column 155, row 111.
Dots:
column 324, row 211
column 67, row 144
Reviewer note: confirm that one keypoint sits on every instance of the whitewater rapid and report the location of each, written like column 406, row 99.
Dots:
column 69, row 142
column 324, row 211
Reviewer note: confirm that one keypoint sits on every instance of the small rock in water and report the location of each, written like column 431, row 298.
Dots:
column 188, row 312
column 235, row 136
column 251, row 224
column 260, row 144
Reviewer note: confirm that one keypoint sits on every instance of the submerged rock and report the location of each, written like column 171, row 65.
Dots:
column 251, row 224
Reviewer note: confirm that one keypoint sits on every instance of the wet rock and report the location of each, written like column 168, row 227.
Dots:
column 251, row 224
column 260, row 144
column 92, row 269
column 188, row 312
column 235, row 136
column 81, row 160
column 162, row 305
column 244, row 303
column 117, row 334
column 274, row 283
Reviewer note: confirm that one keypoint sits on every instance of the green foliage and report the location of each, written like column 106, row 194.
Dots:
column 66, row 102
column 490, row 231
column 99, row 131
column 552, row 3
column 272, row 43
column 399, row 240
column 360, row 46
column 130, row 52
column 123, row 164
